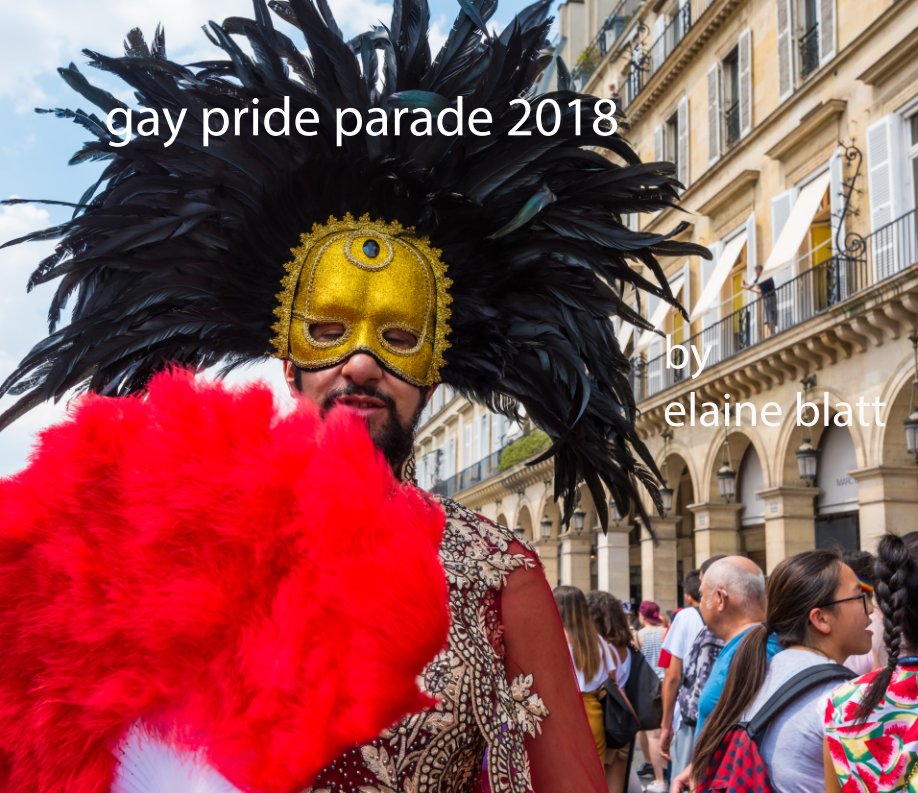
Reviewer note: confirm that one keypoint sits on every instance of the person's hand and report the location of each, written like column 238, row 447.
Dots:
column 666, row 738
column 683, row 782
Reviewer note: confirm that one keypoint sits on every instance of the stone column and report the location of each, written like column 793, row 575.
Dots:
column 658, row 563
column 888, row 499
column 548, row 553
column 716, row 529
column 613, row 567
column 790, row 522
column 575, row 559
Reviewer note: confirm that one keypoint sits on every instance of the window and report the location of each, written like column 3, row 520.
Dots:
column 913, row 157
column 671, row 141
column 806, row 40
column 730, row 98
column 730, row 66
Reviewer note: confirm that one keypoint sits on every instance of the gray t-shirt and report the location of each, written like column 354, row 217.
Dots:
column 796, row 734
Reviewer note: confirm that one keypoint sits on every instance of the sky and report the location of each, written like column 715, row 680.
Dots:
column 36, row 38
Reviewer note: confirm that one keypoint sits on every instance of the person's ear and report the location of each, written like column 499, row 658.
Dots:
column 820, row 622
column 291, row 378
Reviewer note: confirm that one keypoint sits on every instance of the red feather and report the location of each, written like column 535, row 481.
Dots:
column 257, row 587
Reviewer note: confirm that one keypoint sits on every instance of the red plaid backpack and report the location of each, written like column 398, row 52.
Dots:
column 737, row 766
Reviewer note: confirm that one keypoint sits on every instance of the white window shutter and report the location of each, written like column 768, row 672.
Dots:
column 714, row 113
column 836, row 199
column 883, row 166
column 655, row 368
column 744, row 47
column 781, row 206
column 785, row 48
column 750, row 247
column 826, row 30
column 657, row 50
column 682, row 133
column 659, row 149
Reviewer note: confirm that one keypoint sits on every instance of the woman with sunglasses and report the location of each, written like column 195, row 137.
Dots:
column 872, row 722
column 819, row 614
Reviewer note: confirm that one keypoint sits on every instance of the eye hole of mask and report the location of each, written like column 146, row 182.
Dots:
column 327, row 331
column 400, row 339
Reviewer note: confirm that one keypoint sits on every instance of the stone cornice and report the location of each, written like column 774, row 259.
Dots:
column 897, row 58
column 738, row 187
column 512, row 480
column 813, row 121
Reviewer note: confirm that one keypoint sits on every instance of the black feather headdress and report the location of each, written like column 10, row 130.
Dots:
column 176, row 254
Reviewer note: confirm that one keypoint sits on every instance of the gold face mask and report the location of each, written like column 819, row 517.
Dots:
column 370, row 281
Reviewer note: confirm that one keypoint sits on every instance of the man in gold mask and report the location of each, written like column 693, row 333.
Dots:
column 492, row 263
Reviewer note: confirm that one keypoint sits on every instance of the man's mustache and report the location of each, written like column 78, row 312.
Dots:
column 356, row 390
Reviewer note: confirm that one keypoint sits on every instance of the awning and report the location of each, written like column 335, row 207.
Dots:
column 624, row 333
column 799, row 220
column 725, row 262
column 659, row 314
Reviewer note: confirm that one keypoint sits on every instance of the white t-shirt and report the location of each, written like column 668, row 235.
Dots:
column 606, row 667
column 797, row 732
column 680, row 637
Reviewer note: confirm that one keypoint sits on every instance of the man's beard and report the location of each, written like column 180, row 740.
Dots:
column 394, row 440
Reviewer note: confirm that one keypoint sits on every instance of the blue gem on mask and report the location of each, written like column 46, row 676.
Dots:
column 371, row 249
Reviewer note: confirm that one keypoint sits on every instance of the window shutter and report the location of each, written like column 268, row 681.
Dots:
column 826, row 30
column 659, row 150
column 781, row 206
column 687, row 291
column 882, row 170
column 836, row 199
column 750, row 248
column 711, row 339
column 785, row 48
column 714, row 114
column 657, row 52
column 466, row 446
column 744, row 47
column 682, row 156
column 655, row 367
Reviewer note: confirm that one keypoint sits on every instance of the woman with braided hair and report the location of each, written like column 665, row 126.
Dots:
column 872, row 721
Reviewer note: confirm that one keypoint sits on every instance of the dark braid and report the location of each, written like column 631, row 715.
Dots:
column 896, row 592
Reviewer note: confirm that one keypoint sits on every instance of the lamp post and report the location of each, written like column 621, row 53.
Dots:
column 726, row 476
column 614, row 512
column 807, row 453
column 545, row 528
column 911, row 423
column 666, row 492
column 577, row 520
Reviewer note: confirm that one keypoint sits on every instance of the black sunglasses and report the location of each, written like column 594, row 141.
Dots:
column 862, row 597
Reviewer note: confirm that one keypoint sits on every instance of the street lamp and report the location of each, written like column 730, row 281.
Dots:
column 806, row 461
column 578, row 519
column 726, row 481
column 545, row 528
column 807, row 454
column 911, row 423
column 614, row 512
column 666, row 492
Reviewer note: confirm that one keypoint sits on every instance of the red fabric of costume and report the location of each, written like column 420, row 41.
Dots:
column 255, row 587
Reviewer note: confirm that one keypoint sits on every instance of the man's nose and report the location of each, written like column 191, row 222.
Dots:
column 362, row 369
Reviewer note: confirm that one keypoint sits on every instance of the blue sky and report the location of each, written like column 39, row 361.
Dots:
column 35, row 39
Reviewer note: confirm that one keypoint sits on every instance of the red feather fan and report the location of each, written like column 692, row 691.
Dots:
column 254, row 588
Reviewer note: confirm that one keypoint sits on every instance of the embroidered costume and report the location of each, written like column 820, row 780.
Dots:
column 441, row 749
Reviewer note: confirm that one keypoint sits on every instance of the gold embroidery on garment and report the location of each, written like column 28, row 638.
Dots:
column 442, row 749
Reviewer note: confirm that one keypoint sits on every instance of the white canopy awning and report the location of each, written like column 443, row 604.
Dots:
column 711, row 290
column 624, row 333
column 659, row 315
column 799, row 220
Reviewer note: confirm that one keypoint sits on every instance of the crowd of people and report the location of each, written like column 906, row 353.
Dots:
column 804, row 681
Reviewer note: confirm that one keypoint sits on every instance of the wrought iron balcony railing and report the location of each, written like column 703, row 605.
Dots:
column 884, row 253
column 732, row 124
column 809, row 51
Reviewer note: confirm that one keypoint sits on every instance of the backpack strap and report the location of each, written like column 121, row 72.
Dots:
column 793, row 688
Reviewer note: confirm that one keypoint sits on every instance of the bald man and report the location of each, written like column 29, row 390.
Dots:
column 732, row 601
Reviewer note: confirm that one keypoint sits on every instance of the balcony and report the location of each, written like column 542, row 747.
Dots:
column 604, row 42
column 887, row 252
column 672, row 34
column 809, row 51
column 732, row 124
column 530, row 444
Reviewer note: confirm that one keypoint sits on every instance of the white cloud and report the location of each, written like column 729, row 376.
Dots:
column 38, row 37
